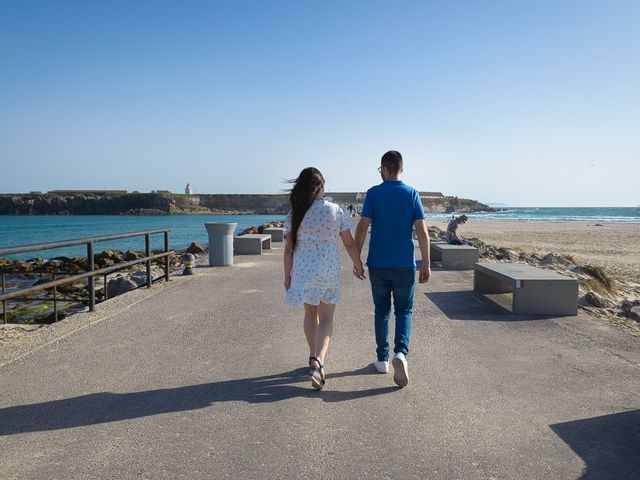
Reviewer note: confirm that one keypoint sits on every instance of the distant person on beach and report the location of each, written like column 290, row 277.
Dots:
column 393, row 209
column 451, row 236
column 312, row 263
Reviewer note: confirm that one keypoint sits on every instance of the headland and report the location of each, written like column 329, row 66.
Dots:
column 116, row 202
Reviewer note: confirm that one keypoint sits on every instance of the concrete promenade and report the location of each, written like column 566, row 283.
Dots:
column 205, row 378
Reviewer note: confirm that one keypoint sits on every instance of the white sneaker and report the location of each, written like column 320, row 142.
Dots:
column 382, row 366
column 401, row 370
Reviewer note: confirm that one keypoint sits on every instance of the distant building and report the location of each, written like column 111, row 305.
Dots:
column 188, row 190
column 431, row 195
column 86, row 192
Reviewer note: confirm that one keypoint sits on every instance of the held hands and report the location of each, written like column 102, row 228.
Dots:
column 358, row 271
column 425, row 274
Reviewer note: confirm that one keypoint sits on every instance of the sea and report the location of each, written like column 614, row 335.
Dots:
column 25, row 230
column 31, row 229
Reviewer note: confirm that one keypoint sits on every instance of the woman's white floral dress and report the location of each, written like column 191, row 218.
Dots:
column 315, row 275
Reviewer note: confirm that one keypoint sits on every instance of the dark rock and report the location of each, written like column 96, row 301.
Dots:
column 104, row 262
column 62, row 259
column 196, row 248
column 435, row 233
column 505, row 254
column 523, row 257
column 130, row 255
column 119, row 285
column 555, row 259
column 118, row 256
column 631, row 310
column 145, row 211
column 597, row 301
column 79, row 289
column 139, row 278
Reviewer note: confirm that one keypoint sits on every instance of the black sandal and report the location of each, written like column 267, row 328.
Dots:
column 316, row 373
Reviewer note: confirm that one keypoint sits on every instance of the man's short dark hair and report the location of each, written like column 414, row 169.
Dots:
column 393, row 161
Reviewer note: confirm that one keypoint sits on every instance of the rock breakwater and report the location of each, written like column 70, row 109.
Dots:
column 25, row 273
column 164, row 203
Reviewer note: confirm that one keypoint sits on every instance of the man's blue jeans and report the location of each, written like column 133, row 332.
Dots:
column 398, row 283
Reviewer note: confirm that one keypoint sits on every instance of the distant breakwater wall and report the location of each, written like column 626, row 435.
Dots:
column 177, row 204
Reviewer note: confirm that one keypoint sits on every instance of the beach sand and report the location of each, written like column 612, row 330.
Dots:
column 614, row 247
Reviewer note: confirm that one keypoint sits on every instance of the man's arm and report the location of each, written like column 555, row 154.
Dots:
column 423, row 241
column 361, row 232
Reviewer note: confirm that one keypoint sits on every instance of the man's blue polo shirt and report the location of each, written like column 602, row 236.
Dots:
column 393, row 207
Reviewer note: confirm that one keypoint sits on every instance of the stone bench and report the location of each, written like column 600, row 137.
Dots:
column 251, row 244
column 277, row 233
column 536, row 291
column 454, row 257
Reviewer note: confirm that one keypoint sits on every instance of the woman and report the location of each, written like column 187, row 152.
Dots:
column 312, row 263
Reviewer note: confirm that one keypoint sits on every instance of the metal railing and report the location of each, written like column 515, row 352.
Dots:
column 22, row 293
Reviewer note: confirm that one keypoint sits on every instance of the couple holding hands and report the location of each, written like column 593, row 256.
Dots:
column 312, row 261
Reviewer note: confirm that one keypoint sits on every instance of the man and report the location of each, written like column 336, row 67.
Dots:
column 393, row 209
column 452, row 236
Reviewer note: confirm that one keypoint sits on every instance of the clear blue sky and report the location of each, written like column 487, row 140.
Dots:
column 524, row 103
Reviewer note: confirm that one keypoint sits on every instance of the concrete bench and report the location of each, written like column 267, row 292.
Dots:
column 277, row 233
column 251, row 244
column 536, row 291
column 454, row 257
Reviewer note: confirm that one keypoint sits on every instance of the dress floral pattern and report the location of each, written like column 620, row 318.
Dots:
column 315, row 275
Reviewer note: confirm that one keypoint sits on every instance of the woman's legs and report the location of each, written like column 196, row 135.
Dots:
column 318, row 328
column 324, row 330
column 311, row 326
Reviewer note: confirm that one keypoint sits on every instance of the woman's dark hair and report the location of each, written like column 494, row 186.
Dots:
column 304, row 191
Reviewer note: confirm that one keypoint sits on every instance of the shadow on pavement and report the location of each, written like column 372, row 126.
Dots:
column 608, row 444
column 105, row 407
column 470, row 305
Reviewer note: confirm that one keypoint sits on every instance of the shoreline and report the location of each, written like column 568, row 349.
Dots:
column 473, row 218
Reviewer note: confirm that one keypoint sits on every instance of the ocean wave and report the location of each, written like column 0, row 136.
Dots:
column 596, row 215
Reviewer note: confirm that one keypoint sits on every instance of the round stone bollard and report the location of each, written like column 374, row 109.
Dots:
column 220, row 243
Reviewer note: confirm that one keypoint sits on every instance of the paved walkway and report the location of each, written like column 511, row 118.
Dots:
column 204, row 378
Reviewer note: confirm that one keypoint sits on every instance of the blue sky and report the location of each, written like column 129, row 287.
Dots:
column 523, row 103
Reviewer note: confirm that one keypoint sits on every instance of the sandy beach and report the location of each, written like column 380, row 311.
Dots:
column 614, row 247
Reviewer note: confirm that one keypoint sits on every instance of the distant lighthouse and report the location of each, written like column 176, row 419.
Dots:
column 188, row 190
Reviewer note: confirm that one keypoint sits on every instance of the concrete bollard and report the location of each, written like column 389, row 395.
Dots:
column 220, row 243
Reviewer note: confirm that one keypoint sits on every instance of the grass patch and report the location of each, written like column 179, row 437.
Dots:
column 32, row 313
column 600, row 281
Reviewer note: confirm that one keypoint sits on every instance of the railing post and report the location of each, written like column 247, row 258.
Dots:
column 147, row 252
column 4, row 302
column 166, row 259
column 91, row 281
column 55, row 300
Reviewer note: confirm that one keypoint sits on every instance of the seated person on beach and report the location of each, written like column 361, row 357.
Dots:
column 452, row 236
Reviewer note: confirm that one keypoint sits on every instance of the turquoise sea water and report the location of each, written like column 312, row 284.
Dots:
column 23, row 230
column 584, row 214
